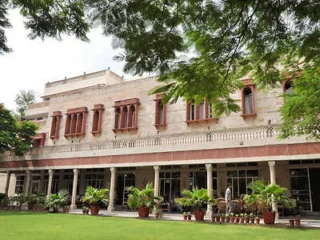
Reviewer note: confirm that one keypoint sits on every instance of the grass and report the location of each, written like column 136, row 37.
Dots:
column 49, row 226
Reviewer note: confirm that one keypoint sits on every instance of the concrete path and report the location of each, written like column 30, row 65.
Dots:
column 306, row 222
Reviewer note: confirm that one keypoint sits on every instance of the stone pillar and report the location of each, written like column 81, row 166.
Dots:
column 28, row 181
column 8, row 182
column 41, row 181
column 156, row 180
column 209, row 188
column 112, row 189
column 273, row 181
column 74, row 189
column 50, row 171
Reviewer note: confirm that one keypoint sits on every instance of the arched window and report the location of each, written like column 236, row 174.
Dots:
column 248, row 100
column 192, row 111
column 76, row 122
column 73, row 124
column 125, row 117
column 55, row 125
column 132, row 117
column 202, row 110
column 117, row 118
column 68, row 125
column 79, row 123
column 95, row 121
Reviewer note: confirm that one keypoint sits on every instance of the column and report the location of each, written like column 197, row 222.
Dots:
column 156, row 180
column 50, row 171
column 74, row 189
column 112, row 189
column 7, row 183
column 209, row 188
column 27, row 183
column 273, row 181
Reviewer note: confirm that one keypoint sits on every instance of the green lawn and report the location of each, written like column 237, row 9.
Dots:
column 49, row 226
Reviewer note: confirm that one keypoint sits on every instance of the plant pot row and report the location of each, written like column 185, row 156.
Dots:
column 239, row 220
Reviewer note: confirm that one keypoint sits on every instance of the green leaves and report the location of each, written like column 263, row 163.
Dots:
column 196, row 198
column 15, row 136
column 142, row 198
column 95, row 196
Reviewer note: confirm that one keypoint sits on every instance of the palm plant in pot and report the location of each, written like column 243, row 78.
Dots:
column 57, row 200
column 143, row 200
column 198, row 199
column 263, row 196
column 95, row 198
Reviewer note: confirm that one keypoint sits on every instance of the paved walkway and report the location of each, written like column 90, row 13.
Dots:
column 306, row 221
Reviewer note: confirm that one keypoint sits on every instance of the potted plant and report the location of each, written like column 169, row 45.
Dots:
column 185, row 215
column 56, row 200
column 85, row 210
column 223, row 218
column 257, row 218
column 291, row 221
column 297, row 220
column 157, row 212
column 232, row 217
column 143, row 200
column 189, row 216
column 197, row 199
column 227, row 217
column 251, row 216
column 242, row 218
column 35, row 201
column 96, row 198
column 237, row 218
column 264, row 195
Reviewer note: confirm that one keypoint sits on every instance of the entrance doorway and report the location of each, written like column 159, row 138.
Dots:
column 314, row 187
column 124, row 181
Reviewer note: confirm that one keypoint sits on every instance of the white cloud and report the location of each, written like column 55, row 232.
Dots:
column 35, row 62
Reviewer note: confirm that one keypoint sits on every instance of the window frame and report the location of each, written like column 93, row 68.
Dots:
column 132, row 113
column 76, row 122
column 248, row 84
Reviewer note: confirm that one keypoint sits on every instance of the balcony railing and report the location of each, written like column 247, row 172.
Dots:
column 231, row 135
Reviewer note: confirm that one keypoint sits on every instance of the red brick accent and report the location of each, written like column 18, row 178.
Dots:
column 167, row 157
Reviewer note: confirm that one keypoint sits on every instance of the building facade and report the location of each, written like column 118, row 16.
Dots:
column 99, row 130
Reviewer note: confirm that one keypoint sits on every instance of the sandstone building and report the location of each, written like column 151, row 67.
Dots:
column 99, row 130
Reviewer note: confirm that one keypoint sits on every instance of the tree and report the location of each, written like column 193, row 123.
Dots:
column 199, row 49
column 23, row 99
column 15, row 136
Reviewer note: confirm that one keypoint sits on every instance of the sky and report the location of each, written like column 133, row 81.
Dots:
column 35, row 62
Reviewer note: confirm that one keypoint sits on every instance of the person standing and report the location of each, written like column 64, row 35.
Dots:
column 228, row 199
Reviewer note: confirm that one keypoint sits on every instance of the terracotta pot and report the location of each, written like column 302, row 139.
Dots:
column 217, row 219
column 199, row 215
column 66, row 209
column 189, row 217
column 85, row 211
column 232, row 219
column 242, row 220
column 247, row 220
column 291, row 222
column 185, row 217
column 268, row 217
column 223, row 219
column 257, row 220
column 252, row 220
column 94, row 210
column 143, row 212
column 237, row 219
column 298, row 222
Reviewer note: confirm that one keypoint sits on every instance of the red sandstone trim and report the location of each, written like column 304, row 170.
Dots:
column 243, row 152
